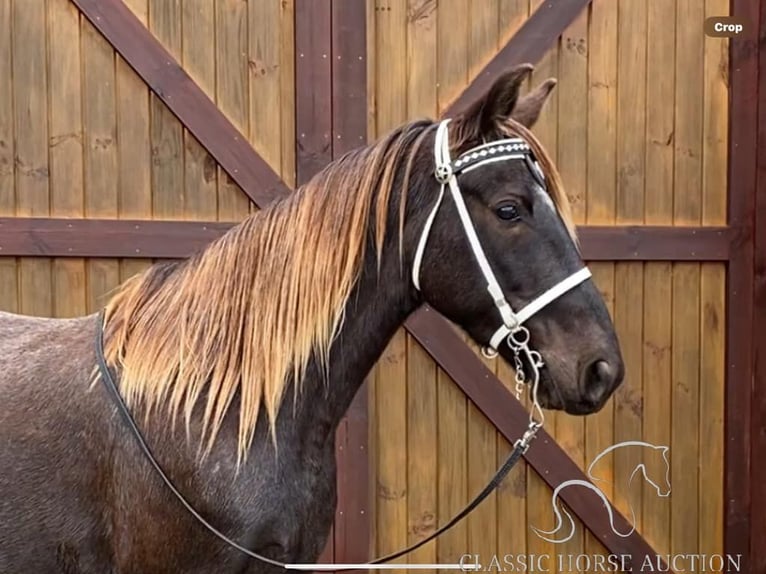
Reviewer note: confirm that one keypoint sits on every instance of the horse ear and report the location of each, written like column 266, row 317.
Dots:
column 528, row 108
column 499, row 101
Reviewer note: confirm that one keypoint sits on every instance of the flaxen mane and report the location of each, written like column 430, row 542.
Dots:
column 246, row 315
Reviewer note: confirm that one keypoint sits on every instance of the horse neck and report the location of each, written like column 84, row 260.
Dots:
column 377, row 307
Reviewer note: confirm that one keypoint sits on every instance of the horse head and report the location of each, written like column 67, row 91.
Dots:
column 526, row 246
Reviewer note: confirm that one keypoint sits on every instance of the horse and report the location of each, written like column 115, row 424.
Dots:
column 239, row 362
column 661, row 487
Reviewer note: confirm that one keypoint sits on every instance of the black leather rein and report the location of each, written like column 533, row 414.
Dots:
column 520, row 448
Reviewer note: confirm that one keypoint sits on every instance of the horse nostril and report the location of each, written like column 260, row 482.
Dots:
column 599, row 379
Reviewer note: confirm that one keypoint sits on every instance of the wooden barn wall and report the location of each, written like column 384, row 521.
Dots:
column 638, row 127
column 82, row 136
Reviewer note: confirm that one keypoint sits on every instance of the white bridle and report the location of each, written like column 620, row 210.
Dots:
column 446, row 173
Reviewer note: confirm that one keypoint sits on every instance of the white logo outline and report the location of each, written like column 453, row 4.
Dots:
column 547, row 535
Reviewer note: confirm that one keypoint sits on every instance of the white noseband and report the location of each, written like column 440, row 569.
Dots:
column 446, row 172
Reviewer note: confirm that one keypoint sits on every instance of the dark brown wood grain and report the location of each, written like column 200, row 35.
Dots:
column 743, row 121
column 29, row 237
column 530, row 43
column 43, row 237
column 313, row 88
column 166, row 78
column 655, row 243
column 745, row 56
column 353, row 538
column 313, row 151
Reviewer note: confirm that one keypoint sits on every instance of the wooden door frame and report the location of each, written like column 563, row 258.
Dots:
column 323, row 86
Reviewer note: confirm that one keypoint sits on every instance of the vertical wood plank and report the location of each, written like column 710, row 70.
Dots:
column 422, row 475
column 66, row 153
column 715, row 120
column 100, row 154
column 757, row 536
column 232, row 93
column 200, row 169
column 391, row 385
column 628, row 316
column 546, row 129
column 657, row 351
column 391, row 391
column 711, row 406
column 658, row 210
column 685, row 399
column 631, row 110
column 512, row 526
column 99, row 124
column 511, row 494
column 264, row 80
column 660, row 91
column 7, row 147
column 573, row 114
column 421, row 59
column 287, row 88
column 313, row 120
column 372, row 406
column 197, row 43
column 372, row 70
column 452, row 456
column 134, row 154
column 9, row 285
column 481, row 524
column 349, row 131
column 599, row 428
column 511, row 15
column 134, row 143
column 602, row 113
column 628, row 400
column 452, row 46
column 8, row 265
column 30, row 87
column 744, row 529
column 131, row 267
column 572, row 158
column 688, row 111
column 30, row 92
column 483, row 33
column 452, row 18
column 422, row 408
column 686, row 277
column 103, row 276
column 713, row 288
column 313, row 87
column 166, row 131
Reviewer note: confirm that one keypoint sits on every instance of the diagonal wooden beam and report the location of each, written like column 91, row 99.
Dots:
column 193, row 108
column 529, row 44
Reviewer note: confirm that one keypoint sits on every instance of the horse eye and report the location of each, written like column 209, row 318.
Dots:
column 508, row 212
